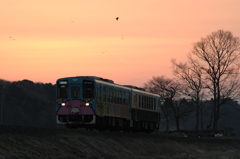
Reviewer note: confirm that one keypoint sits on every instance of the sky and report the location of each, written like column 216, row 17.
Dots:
column 43, row 40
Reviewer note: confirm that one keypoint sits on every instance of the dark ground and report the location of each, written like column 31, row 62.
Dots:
column 56, row 143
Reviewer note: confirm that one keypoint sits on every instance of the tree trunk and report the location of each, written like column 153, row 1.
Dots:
column 214, row 104
column 201, row 116
column 177, row 124
column 197, row 119
column 166, row 117
column 167, row 126
column 197, row 113
column 176, row 115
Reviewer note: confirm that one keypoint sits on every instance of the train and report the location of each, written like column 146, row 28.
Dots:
column 93, row 102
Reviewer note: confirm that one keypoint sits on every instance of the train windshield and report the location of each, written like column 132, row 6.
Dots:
column 62, row 89
column 88, row 89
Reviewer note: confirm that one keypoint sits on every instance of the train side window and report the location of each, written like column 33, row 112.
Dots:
column 147, row 102
column 154, row 104
column 124, row 98
column 135, row 100
column 110, row 95
column 144, row 102
column 104, row 95
column 75, row 92
column 107, row 92
column 120, row 96
column 150, row 104
column 117, row 96
column 128, row 98
column 99, row 92
column 139, row 101
column 114, row 96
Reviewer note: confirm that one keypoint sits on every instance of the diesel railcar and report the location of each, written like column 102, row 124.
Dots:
column 98, row 103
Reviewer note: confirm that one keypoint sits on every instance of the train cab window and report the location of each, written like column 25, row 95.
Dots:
column 88, row 89
column 75, row 92
column 62, row 89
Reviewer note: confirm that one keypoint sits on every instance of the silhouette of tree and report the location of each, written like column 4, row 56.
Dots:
column 218, row 54
column 168, row 89
column 191, row 77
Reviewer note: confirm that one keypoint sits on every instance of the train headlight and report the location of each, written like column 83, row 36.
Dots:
column 87, row 104
column 63, row 104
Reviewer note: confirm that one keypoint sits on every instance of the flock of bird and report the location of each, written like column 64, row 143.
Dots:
column 72, row 22
column 121, row 37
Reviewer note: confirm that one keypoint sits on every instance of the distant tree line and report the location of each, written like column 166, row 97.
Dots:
column 27, row 103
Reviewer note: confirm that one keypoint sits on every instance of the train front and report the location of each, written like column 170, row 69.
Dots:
column 75, row 102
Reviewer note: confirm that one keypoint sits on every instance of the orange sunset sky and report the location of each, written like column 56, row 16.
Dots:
column 43, row 40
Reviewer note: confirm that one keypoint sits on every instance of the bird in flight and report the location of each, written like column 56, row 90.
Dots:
column 117, row 18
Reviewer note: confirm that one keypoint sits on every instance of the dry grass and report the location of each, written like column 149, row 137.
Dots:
column 54, row 143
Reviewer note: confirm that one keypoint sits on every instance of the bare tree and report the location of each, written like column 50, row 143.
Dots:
column 219, row 53
column 169, row 90
column 192, row 79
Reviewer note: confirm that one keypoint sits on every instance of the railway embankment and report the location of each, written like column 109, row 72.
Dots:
column 57, row 143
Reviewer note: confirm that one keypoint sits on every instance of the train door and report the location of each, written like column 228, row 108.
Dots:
column 75, row 92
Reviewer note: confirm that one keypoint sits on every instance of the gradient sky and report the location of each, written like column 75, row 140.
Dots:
column 50, row 39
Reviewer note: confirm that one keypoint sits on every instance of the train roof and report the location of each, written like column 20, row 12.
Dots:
column 111, row 82
column 135, row 87
column 128, row 87
column 91, row 77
